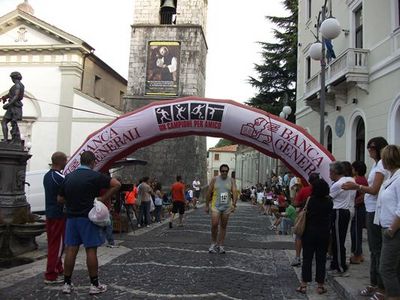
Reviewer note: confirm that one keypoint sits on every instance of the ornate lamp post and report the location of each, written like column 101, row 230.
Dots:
column 330, row 29
column 284, row 114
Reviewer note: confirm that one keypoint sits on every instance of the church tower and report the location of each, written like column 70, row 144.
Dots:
column 168, row 61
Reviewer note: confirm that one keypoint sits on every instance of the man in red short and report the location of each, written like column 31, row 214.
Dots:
column 178, row 200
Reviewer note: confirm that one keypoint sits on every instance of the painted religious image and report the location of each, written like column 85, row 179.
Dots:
column 162, row 68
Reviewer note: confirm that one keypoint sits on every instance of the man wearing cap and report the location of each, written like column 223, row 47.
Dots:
column 13, row 108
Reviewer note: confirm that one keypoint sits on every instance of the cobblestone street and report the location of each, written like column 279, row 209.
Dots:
column 163, row 263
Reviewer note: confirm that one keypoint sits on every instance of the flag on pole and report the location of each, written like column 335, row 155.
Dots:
column 330, row 53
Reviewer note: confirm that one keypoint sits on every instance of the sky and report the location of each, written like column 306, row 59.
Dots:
column 233, row 33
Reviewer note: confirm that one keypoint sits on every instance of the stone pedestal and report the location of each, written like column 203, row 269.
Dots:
column 17, row 233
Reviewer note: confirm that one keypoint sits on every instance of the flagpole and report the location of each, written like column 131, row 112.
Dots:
column 322, row 82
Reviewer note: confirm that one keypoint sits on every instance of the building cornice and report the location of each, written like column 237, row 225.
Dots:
column 40, row 48
column 10, row 20
column 186, row 26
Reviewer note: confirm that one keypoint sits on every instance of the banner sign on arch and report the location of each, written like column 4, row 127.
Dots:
column 198, row 116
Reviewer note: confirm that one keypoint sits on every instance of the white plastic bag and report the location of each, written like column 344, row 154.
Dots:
column 99, row 214
column 152, row 207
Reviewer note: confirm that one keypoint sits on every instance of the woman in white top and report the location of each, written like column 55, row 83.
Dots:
column 388, row 208
column 343, row 201
column 375, row 179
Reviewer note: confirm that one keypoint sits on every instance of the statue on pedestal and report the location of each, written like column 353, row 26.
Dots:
column 13, row 109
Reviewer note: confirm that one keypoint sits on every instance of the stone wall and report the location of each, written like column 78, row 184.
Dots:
column 185, row 156
column 192, row 59
column 188, row 12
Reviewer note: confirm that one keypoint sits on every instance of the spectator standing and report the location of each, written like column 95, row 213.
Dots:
column 130, row 201
column 358, row 220
column 178, row 200
column 189, row 196
column 55, row 219
column 253, row 193
column 376, row 177
column 388, row 207
column 299, row 202
column 78, row 191
column 158, row 206
column 293, row 187
column 197, row 189
column 343, row 201
column 260, row 198
column 315, row 238
column 286, row 180
column 269, row 198
column 144, row 193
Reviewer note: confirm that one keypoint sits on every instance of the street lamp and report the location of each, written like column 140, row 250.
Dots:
column 286, row 111
column 284, row 114
column 330, row 29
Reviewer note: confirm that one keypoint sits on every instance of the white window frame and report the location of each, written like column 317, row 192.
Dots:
column 395, row 7
column 354, row 5
column 352, row 131
column 308, row 8
column 393, row 124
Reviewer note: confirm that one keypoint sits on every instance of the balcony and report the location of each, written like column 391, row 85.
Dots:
column 349, row 69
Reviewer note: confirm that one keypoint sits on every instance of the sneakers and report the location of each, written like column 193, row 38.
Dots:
column 296, row 262
column 213, row 249
column 93, row 290
column 272, row 227
column 216, row 249
column 67, row 288
column 112, row 246
column 58, row 280
column 101, row 288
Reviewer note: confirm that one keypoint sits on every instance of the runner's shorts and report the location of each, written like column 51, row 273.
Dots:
column 82, row 231
column 178, row 206
column 224, row 210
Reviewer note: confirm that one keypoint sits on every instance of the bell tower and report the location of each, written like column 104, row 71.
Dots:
column 168, row 61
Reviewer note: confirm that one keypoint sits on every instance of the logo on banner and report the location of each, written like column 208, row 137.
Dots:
column 198, row 115
column 260, row 130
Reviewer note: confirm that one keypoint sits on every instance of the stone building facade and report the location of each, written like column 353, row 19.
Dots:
column 362, row 90
column 60, row 72
column 184, row 34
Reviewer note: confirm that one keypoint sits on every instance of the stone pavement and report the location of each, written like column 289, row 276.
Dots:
column 163, row 263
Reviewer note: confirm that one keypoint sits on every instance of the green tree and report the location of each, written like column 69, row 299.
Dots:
column 223, row 142
column 277, row 74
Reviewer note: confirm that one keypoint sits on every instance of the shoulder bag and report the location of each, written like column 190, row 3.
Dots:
column 300, row 222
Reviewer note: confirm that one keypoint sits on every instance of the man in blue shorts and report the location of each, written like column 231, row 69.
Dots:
column 78, row 192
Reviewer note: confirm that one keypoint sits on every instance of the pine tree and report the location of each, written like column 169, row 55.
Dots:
column 277, row 83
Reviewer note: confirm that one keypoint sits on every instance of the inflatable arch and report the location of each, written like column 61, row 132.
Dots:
column 265, row 132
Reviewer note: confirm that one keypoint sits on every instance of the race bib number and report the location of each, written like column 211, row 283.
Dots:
column 224, row 198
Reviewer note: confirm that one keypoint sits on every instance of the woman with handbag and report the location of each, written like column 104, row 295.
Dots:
column 315, row 237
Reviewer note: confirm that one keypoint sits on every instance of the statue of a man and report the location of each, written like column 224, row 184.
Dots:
column 13, row 109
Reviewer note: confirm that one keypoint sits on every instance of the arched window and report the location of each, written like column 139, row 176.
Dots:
column 168, row 12
column 396, row 127
column 394, row 123
column 328, row 134
column 360, row 139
